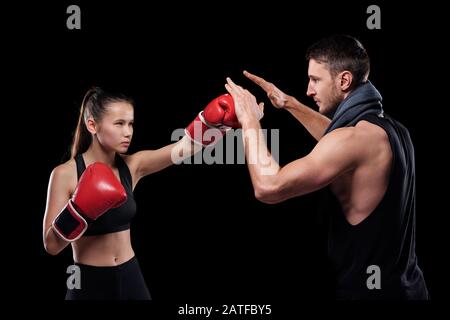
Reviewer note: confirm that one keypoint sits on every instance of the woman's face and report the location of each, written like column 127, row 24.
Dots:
column 115, row 129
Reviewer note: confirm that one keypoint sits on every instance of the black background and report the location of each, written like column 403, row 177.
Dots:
column 200, row 235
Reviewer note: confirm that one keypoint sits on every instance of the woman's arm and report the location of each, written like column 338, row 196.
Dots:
column 58, row 194
column 146, row 162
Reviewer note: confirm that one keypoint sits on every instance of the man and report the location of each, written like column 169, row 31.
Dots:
column 364, row 156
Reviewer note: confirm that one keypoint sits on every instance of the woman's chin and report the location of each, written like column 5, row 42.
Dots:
column 122, row 149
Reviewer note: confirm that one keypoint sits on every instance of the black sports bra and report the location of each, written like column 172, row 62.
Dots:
column 117, row 219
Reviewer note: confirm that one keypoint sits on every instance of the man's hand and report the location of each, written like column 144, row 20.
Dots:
column 276, row 96
column 246, row 107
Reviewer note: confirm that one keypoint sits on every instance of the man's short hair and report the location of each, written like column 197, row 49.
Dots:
column 341, row 53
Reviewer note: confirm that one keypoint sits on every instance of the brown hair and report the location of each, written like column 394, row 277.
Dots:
column 95, row 103
column 340, row 53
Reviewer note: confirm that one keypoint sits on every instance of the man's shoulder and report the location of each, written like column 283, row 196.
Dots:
column 364, row 135
column 370, row 133
column 339, row 135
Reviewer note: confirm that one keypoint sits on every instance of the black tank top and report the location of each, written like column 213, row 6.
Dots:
column 386, row 238
column 117, row 219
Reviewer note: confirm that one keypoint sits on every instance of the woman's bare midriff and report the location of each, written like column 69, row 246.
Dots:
column 105, row 250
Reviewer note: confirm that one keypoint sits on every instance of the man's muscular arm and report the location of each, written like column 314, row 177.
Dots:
column 312, row 120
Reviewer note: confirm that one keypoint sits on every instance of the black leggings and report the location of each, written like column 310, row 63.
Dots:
column 122, row 282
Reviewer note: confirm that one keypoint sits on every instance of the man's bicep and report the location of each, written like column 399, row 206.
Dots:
column 335, row 154
column 332, row 156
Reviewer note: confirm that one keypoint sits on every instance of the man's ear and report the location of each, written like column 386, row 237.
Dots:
column 91, row 125
column 346, row 80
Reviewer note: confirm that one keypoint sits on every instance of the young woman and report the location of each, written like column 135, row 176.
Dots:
column 103, row 251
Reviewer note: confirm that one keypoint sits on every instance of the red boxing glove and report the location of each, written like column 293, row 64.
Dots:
column 97, row 191
column 219, row 114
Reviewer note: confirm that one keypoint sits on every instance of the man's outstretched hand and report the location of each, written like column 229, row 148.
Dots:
column 276, row 96
column 245, row 104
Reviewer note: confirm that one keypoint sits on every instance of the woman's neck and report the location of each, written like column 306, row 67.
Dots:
column 95, row 153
